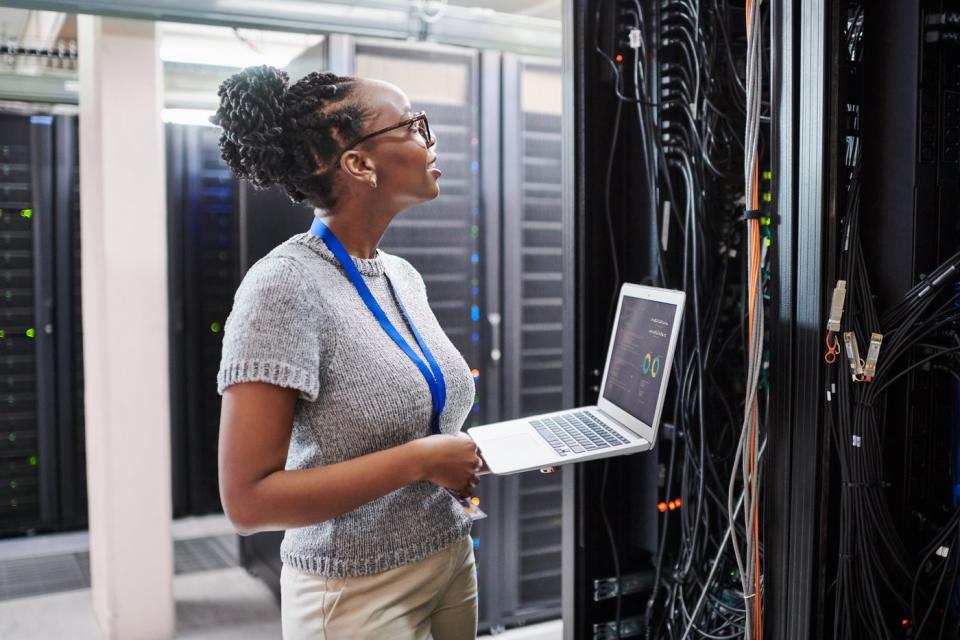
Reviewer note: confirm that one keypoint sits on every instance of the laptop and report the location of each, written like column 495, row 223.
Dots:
column 627, row 415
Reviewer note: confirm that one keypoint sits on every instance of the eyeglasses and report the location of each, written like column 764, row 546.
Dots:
column 419, row 118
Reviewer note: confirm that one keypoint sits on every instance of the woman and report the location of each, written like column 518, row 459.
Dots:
column 342, row 396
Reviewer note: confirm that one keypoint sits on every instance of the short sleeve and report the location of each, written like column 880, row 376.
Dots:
column 274, row 332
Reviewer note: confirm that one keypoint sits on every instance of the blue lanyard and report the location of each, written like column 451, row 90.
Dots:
column 433, row 375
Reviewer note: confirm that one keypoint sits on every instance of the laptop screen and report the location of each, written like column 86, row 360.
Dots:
column 639, row 354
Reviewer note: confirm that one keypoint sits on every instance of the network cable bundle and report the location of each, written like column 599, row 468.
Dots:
column 688, row 78
column 892, row 374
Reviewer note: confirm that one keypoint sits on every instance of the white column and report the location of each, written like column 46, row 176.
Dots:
column 124, row 243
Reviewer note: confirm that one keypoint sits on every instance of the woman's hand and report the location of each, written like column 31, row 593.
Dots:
column 452, row 462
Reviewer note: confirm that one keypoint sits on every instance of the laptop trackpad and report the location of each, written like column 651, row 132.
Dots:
column 513, row 452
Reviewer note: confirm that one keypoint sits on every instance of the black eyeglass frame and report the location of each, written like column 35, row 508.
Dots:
column 419, row 116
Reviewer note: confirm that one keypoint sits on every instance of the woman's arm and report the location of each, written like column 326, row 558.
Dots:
column 256, row 421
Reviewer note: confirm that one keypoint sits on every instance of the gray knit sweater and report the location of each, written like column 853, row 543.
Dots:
column 298, row 322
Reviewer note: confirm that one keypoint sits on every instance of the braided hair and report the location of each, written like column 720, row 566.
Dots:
column 273, row 134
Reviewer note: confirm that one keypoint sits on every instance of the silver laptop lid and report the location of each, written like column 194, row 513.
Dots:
column 637, row 371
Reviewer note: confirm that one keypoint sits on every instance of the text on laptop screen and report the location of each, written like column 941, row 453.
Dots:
column 639, row 355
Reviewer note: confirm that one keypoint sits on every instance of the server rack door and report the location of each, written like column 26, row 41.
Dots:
column 204, row 268
column 533, row 324
column 69, row 326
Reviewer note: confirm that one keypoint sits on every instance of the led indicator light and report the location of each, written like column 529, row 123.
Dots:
column 474, row 258
column 13, row 504
column 475, row 373
column 619, row 58
column 26, row 213
column 475, row 337
column 13, row 484
column 662, row 507
column 767, row 197
column 12, row 437
column 33, row 461
column 767, row 175
column 215, row 327
column 31, row 332
column 475, row 313
column 476, row 502
column 3, row 334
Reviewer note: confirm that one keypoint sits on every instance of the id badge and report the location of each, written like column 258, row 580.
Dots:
column 472, row 507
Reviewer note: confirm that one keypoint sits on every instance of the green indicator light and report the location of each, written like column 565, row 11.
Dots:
column 13, row 504
column 766, row 242
column 474, row 231
column 31, row 332
column 8, row 294
column 1, row 213
column 26, row 213
column 33, row 461
column 13, row 484
column 767, row 175
column 12, row 437
column 3, row 334
column 767, row 197
column 215, row 327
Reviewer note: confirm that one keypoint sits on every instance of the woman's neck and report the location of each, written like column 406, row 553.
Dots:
column 358, row 234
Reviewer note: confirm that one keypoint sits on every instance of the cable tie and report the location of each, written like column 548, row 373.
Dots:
column 857, row 441
column 753, row 214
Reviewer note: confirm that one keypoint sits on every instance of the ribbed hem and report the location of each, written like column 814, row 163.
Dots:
column 341, row 567
column 278, row 373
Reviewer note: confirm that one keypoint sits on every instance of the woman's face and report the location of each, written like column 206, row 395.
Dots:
column 401, row 161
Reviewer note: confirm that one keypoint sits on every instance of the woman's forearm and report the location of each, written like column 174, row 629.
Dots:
column 303, row 497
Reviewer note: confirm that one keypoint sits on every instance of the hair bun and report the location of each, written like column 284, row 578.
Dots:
column 251, row 115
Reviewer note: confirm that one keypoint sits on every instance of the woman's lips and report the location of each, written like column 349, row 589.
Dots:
column 436, row 173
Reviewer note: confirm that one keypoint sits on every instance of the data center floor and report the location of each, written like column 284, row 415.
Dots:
column 45, row 595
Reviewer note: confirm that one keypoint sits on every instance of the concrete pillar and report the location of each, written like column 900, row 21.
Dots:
column 124, row 239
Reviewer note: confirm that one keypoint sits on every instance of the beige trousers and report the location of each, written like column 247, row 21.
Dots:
column 435, row 598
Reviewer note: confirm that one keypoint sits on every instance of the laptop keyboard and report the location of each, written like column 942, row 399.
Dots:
column 576, row 433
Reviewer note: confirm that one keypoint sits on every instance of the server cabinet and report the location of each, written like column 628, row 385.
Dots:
column 204, row 269
column 42, row 472
column 448, row 241
column 535, row 378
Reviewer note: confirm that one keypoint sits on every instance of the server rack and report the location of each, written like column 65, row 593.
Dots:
column 452, row 257
column 535, row 378
column 204, row 269
column 41, row 450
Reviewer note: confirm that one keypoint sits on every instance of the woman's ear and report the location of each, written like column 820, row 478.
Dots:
column 358, row 165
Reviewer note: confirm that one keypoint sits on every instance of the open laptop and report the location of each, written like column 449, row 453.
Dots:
column 627, row 414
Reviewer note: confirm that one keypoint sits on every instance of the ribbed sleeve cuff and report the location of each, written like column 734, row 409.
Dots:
column 278, row 373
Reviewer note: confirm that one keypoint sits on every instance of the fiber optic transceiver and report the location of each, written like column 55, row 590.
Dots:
column 873, row 353
column 836, row 306
column 853, row 355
